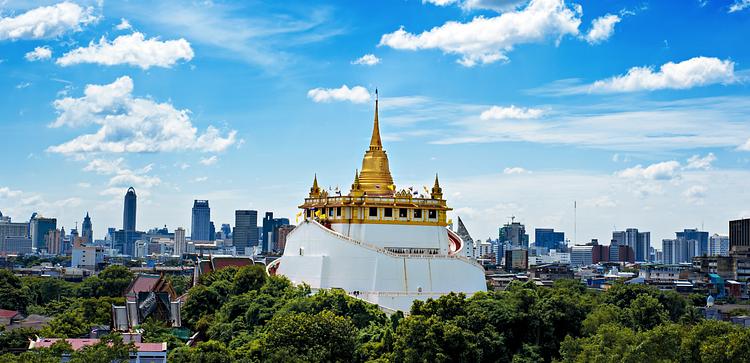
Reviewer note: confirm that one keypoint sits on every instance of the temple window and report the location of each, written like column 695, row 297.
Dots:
column 309, row 213
column 388, row 212
column 373, row 212
column 432, row 214
column 338, row 211
column 418, row 214
column 402, row 212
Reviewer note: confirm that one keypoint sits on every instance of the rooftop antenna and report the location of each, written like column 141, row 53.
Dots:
column 575, row 222
column 512, row 219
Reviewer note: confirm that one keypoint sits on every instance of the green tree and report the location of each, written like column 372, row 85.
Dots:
column 320, row 337
column 249, row 278
column 646, row 312
column 69, row 324
column 13, row 295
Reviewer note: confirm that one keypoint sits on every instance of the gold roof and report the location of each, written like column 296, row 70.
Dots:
column 375, row 177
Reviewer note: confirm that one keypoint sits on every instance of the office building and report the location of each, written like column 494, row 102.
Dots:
column 700, row 237
column 516, row 260
column 246, row 234
column 638, row 242
column 211, row 231
column 53, row 240
column 201, row 221
column 226, row 231
column 87, row 231
column 515, row 235
column 15, row 246
column 281, row 236
column 739, row 234
column 718, row 245
column 12, row 229
column 180, row 242
column 549, row 239
column 129, row 211
column 582, row 255
column 269, row 231
column 39, row 227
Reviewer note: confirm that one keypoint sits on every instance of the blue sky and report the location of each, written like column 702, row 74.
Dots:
column 637, row 110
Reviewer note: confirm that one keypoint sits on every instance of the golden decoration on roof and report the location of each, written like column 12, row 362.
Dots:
column 375, row 178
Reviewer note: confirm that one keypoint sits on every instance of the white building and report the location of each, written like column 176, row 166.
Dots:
column 87, row 257
column 582, row 255
column 384, row 245
column 551, row 257
column 180, row 243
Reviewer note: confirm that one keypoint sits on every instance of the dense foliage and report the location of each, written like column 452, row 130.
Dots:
column 243, row 315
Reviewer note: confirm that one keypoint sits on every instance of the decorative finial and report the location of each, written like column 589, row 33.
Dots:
column 375, row 143
column 315, row 190
column 437, row 191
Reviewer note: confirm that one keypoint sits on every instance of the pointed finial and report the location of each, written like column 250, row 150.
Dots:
column 375, row 143
column 437, row 182
column 437, row 191
column 315, row 190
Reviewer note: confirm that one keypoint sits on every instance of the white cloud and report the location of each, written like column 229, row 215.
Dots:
column 128, row 124
column 515, row 170
column 739, row 5
column 367, row 60
column 182, row 165
column 23, row 85
column 698, row 162
column 104, row 166
column 46, row 22
column 512, row 112
column 602, row 28
column 210, row 160
column 695, row 193
column 132, row 49
column 694, row 72
column 84, row 185
column 665, row 170
column 356, row 94
column 200, row 179
column 124, row 24
column 6, row 192
column 39, row 53
column 496, row 5
column 745, row 146
column 487, row 40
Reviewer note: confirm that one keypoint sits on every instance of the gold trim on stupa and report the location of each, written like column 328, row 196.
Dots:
column 375, row 177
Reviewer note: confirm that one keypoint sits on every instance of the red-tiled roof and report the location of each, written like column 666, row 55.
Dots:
column 222, row 262
column 8, row 314
column 80, row 343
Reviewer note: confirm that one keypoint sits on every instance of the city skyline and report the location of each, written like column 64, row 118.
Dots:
column 517, row 126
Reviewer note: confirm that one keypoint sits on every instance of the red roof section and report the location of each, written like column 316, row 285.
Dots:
column 222, row 262
column 8, row 314
column 80, row 343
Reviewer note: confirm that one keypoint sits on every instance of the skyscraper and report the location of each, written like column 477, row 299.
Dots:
column 87, row 231
column 739, row 234
column 128, row 215
column 180, row 244
column 201, row 222
column 639, row 243
column 40, row 226
column 700, row 238
column 549, row 239
column 515, row 235
column 226, row 231
column 211, row 231
column 270, row 229
column 718, row 245
column 245, row 230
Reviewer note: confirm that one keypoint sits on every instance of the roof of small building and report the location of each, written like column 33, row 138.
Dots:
column 77, row 344
column 8, row 314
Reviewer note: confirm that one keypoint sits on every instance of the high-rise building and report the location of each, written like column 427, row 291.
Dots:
column 246, row 234
column 581, row 255
column 211, row 231
column 53, row 241
column 201, row 222
column 129, row 211
column 718, row 245
column 700, row 237
column 180, row 243
column 281, row 236
column 12, row 229
column 638, row 242
column 226, row 231
column 269, row 231
column 40, row 226
column 739, row 234
column 680, row 250
column 514, row 233
column 87, row 231
column 549, row 239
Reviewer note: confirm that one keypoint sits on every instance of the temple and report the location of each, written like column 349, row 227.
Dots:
column 378, row 243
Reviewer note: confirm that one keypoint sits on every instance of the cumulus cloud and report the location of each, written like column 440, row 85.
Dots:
column 496, row 5
column 512, row 112
column 487, row 40
column 124, row 24
column 6, row 192
column 694, row 72
column 133, row 49
column 130, row 124
column 39, row 53
column 210, row 160
column 46, row 22
column 356, row 94
column 695, row 194
column 121, row 175
column 367, row 60
column 698, row 162
column 515, row 170
column 104, row 166
column 745, row 146
column 739, row 5
column 666, row 170
column 602, row 28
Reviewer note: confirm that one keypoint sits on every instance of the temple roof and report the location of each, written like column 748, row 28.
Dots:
column 375, row 177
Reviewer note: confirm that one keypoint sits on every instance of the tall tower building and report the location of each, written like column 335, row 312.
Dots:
column 87, row 231
column 128, row 215
column 201, row 222
column 180, row 243
column 739, row 234
column 245, row 230
column 40, row 226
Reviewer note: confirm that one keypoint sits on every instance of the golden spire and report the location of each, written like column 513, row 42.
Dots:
column 375, row 177
column 437, row 191
column 356, row 186
column 315, row 190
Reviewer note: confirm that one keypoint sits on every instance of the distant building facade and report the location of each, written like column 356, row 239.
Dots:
column 180, row 242
column 514, row 234
column 718, row 245
column 246, row 234
column 87, row 230
column 549, row 239
column 270, row 231
column 638, row 242
column 39, row 227
column 739, row 233
column 201, row 221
